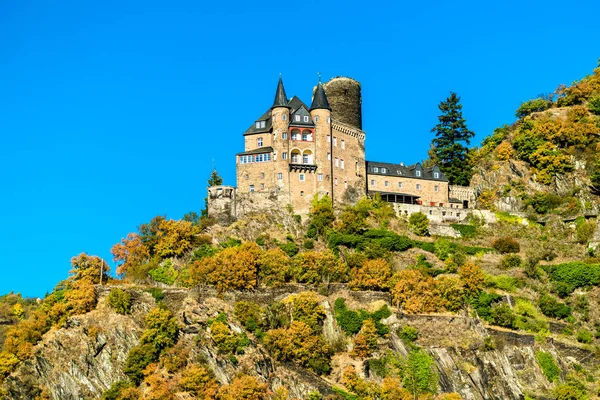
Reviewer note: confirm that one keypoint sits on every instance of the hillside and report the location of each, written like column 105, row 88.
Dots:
column 350, row 303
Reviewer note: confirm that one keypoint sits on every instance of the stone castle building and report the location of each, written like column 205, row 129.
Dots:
column 294, row 152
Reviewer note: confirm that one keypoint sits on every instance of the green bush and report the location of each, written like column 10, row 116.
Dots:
column 553, row 308
column 543, row 203
column 594, row 105
column 114, row 391
column 584, row 230
column 510, row 261
column 408, row 333
column 204, row 251
column 157, row 294
column 164, row 274
column 419, row 224
column 502, row 282
column 532, row 106
column 309, row 244
column 290, row 248
column 506, row 245
column 379, row 366
column 584, row 336
column 138, row 359
column 466, row 231
column 351, row 321
column 548, row 365
column 427, row 246
column 576, row 274
column 120, row 301
column 483, row 303
column 502, row 315
column 568, row 391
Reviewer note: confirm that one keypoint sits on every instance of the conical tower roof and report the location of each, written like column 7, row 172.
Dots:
column 280, row 96
column 320, row 99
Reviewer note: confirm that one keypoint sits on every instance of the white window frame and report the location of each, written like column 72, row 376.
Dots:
column 297, row 118
column 383, row 170
column 328, row 156
column 436, row 188
column 387, row 183
column 418, row 173
column 284, row 135
column 342, row 164
column 418, row 186
column 335, row 181
column 284, row 155
column 372, row 182
column 335, row 141
column 320, row 177
column 302, row 178
column 259, row 142
column 343, row 144
column 284, row 117
column 316, row 118
column 306, row 118
column 336, row 162
column 436, row 175
column 375, row 169
column 251, row 188
column 279, row 176
column 257, row 125
column 328, row 138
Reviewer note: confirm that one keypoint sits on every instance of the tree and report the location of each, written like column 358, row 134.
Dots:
column 198, row 381
column 415, row 292
column 130, row 253
column 245, row 387
column 372, row 275
column 451, row 132
column 321, row 216
column 417, row 373
column 418, row 223
column 89, row 267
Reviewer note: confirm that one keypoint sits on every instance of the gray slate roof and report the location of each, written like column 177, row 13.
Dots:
column 280, row 97
column 406, row 171
column 260, row 150
column 320, row 99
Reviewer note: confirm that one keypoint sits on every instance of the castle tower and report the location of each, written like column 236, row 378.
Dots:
column 320, row 112
column 345, row 98
column 280, row 117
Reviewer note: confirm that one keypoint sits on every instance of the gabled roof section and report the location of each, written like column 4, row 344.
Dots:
column 401, row 170
column 295, row 103
column 266, row 117
column 301, row 117
column 320, row 99
column 280, row 96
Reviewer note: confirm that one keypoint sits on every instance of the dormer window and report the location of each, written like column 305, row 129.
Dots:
column 375, row 169
column 297, row 118
column 259, row 142
column 383, row 170
column 306, row 118
column 436, row 175
column 418, row 173
column 260, row 124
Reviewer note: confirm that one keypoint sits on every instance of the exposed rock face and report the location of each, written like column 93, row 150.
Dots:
column 83, row 358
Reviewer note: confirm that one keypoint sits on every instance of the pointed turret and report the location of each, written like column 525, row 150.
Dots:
column 280, row 97
column 320, row 99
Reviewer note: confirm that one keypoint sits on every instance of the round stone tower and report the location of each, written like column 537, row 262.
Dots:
column 345, row 99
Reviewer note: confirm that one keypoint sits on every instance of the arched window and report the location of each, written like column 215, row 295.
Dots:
column 307, row 157
column 307, row 135
column 296, row 134
column 296, row 156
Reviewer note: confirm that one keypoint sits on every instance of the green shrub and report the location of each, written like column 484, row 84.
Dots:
column 157, row 294
column 408, row 333
column 114, row 391
column 379, row 366
column 483, row 303
column 419, row 224
column 427, row 246
column 351, row 321
column 548, row 365
column 568, row 391
column 466, row 231
column 164, row 274
column 510, row 261
column 309, row 244
column 444, row 248
column 503, row 282
column 532, row 106
column 576, row 274
column 506, row 245
column 290, row 248
column 138, row 359
column 584, row 336
column 584, row 230
column 594, row 105
column 120, row 301
column 502, row 315
column 543, row 203
column 553, row 308
column 203, row 251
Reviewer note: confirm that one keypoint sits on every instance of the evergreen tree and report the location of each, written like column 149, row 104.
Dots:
column 214, row 180
column 451, row 132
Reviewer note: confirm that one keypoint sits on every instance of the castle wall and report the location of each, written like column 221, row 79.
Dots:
column 345, row 98
column 427, row 191
column 348, row 159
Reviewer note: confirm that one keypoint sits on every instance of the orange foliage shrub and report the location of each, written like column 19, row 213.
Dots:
column 245, row 387
column 473, row 279
column 233, row 268
column 130, row 253
column 372, row 275
column 161, row 387
column 317, row 267
column 81, row 298
column 360, row 347
column 416, row 293
column 504, row 151
column 198, row 381
column 452, row 292
column 85, row 266
column 175, row 237
column 274, row 267
column 305, row 307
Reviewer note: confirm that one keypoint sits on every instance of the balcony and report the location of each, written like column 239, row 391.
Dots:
column 302, row 167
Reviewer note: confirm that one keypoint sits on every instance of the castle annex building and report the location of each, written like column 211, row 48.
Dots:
column 294, row 151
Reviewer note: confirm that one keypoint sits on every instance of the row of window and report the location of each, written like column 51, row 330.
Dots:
column 255, row 159
column 297, row 118
column 418, row 173
column 436, row 188
column 342, row 142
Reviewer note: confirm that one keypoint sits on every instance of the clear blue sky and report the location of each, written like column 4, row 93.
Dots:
column 111, row 112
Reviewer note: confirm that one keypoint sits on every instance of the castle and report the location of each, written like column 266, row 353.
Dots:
column 294, row 152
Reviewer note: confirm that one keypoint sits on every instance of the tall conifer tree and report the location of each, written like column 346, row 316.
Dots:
column 214, row 180
column 451, row 132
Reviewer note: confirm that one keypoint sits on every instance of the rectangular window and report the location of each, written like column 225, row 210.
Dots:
column 306, row 118
column 436, row 188
column 302, row 193
column 262, row 185
column 320, row 177
column 257, row 125
column 305, row 137
column 372, row 182
column 399, row 185
column 328, row 139
column 328, row 156
column 263, row 124
column 337, row 162
column 301, row 177
column 284, row 135
column 251, row 188
column 375, row 169
column 284, row 156
column 345, row 184
column 387, row 184
column 335, row 141
column 305, row 159
column 383, row 170
column 343, row 144
column 418, row 173
column 436, row 175
column 336, row 181
column 260, row 142
column 279, row 176
column 284, row 117
column 295, row 158
column 342, row 164
column 297, row 118
column 262, row 175
column 418, row 186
